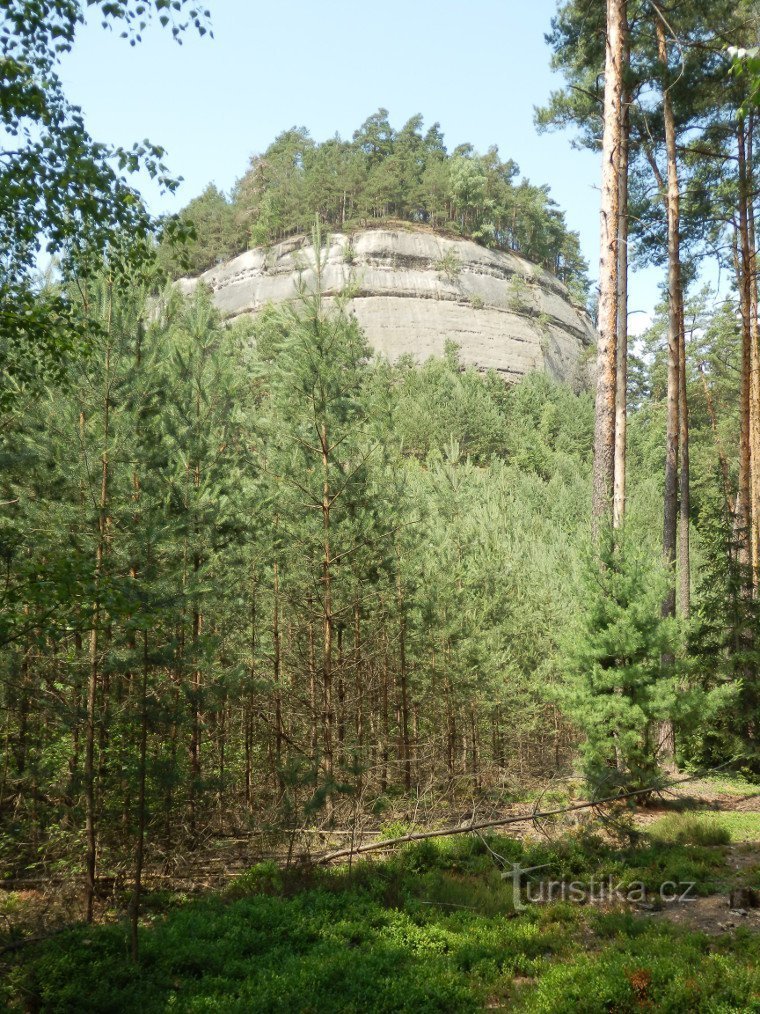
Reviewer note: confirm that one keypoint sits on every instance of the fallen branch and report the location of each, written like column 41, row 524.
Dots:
column 444, row 832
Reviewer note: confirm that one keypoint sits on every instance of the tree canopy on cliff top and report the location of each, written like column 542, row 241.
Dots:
column 380, row 174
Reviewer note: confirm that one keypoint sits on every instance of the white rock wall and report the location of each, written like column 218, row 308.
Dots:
column 413, row 291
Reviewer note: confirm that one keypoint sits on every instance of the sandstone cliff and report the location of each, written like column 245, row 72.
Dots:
column 413, row 291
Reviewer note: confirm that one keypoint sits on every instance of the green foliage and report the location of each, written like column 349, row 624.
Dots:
column 520, row 299
column 646, row 970
column 703, row 94
column 745, row 66
column 449, row 266
column 212, row 235
column 382, row 175
column 263, row 878
column 618, row 684
column 454, row 510
column 248, row 470
column 721, row 660
column 725, row 657
column 432, row 929
column 58, row 186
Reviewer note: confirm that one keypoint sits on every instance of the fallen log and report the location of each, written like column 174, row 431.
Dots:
column 522, row 818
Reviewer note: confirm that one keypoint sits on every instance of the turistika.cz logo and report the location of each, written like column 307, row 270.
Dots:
column 596, row 890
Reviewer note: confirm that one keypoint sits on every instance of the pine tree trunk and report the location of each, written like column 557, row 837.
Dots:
column 195, row 686
column 341, row 688
column 359, row 691
column 384, row 751
column 664, row 734
column 754, row 393
column 475, row 749
column 312, row 661
column 141, row 813
column 404, row 702
column 606, row 358
column 249, row 710
column 670, row 501
column 277, row 675
column 196, row 628
column 359, row 675
column 744, row 269
column 684, row 563
column 327, row 625
column 94, row 674
column 451, row 738
column 621, row 362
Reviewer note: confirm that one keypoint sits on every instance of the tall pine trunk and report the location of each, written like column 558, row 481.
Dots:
column 277, row 679
column 684, row 558
column 606, row 357
column 672, row 203
column 754, row 385
column 621, row 364
column 94, row 673
column 406, row 754
column 744, row 272
column 141, row 809
column 327, row 623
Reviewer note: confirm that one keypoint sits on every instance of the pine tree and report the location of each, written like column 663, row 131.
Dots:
column 617, row 688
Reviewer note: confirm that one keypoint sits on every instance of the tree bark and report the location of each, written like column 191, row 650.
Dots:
column 606, row 353
column 684, row 563
column 404, row 702
column 277, row 674
column 141, row 814
column 327, row 624
column 670, row 499
column 754, row 386
column 621, row 364
column 249, row 709
column 94, row 674
column 744, row 262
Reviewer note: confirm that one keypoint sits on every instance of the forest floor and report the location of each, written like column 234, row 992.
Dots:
column 438, row 925
column 734, row 807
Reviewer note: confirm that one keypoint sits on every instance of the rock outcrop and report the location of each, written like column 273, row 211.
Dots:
column 412, row 291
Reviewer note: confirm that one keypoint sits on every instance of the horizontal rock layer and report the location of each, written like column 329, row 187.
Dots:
column 412, row 291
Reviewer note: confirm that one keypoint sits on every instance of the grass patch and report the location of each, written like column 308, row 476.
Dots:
column 742, row 826
column 731, row 784
column 690, row 829
column 706, row 827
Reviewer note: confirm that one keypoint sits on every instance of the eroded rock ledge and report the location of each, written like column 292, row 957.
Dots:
column 413, row 291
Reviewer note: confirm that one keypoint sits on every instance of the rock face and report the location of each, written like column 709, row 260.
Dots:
column 412, row 291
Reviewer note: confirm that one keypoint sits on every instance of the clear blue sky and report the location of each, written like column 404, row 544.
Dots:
column 479, row 68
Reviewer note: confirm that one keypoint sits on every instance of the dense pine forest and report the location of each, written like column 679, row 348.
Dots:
column 271, row 601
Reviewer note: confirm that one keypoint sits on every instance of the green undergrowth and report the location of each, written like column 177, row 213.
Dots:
column 646, row 966
column 434, row 928
column 733, row 784
column 705, row 827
